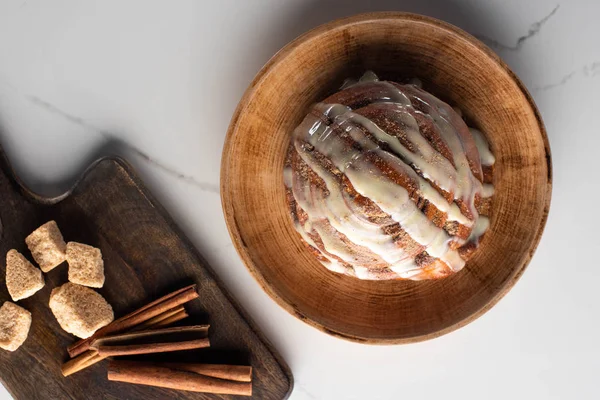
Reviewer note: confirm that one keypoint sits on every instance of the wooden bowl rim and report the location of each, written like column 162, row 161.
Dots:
column 227, row 201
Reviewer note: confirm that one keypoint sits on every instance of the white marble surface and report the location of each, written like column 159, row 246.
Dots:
column 157, row 82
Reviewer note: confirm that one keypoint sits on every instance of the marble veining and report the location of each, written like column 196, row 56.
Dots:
column 534, row 29
column 588, row 71
column 51, row 108
column 561, row 82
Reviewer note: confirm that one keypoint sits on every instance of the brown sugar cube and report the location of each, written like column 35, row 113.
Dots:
column 22, row 278
column 80, row 310
column 15, row 322
column 47, row 246
column 86, row 266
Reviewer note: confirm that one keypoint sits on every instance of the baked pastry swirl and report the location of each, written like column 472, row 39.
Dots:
column 386, row 181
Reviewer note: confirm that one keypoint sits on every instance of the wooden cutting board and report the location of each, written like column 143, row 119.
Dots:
column 146, row 256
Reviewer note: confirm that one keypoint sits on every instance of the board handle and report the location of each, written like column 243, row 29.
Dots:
column 10, row 189
column 17, row 203
column 12, row 186
column 9, row 183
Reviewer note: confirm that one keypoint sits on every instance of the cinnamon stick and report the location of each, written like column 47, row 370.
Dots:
column 131, row 336
column 142, row 373
column 91, row 357
column 155, row 341
column 97, row 358
column 156, row 320
column 172, row 319
column 132, row 349
column 159, row 301
column 239, row 373
column 76, row 364
column 137, row 317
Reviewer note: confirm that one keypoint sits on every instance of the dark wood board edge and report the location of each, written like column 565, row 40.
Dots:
column 21, row 187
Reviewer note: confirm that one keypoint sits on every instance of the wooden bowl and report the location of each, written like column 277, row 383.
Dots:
column 457, row 68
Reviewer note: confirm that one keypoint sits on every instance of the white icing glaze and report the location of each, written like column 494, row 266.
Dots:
column 369, row 182
column 348, row 82
column 416, row 81
column 433, row 166
column 485, row 154
column 487, row 191
column 481, row 226
column 335, row 207
column 394, row 200
column 392, row 94
column 362, row 272
column 410, row 273
column 288, row 177
column 335, row 266
column 431, row 163
column 466, row 184
column 368, row 76
column 404, row 266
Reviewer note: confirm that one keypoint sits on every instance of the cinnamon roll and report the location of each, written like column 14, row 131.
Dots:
column 386, row 181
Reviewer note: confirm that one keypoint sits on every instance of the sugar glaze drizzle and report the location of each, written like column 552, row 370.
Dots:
column 335, row 207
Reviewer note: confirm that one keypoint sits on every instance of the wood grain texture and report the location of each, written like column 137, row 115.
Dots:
column 146, row 256
column 455, row 67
